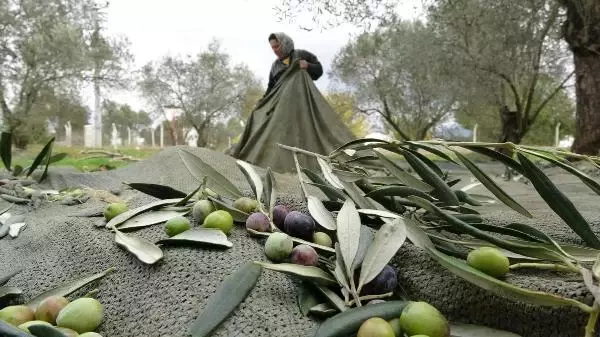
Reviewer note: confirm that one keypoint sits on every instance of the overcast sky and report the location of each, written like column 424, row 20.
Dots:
column 177, row 27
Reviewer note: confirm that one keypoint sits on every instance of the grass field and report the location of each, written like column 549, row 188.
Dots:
column 77, row 158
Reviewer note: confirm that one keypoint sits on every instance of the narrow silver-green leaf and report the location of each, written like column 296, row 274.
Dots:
column 6, row 291
column 527, row 250
column 484, row 281
column 444, row 192
column 328, row 174
column 199, row 169
column 232, row 291
column 121, row 218
column 149, row 219
column 559, row 202
column 491, row 185
column 306, row 297
column 144, row 250
column 398, row 191
column 348, row 175
column 270, row 191
column 340, row 269
column 588, row 280
column 311, row 273
column 157, row 190
column 208, row 236
column 506, row 160
column 318, row 211
column 434, row 150
column 589, row 181
column 6, row 149
column 356, row 142
column 379, row 213
column 44, row 152
column 43, row 330
column 253, row 178
column 332, row 297
column 68, row 288
column 185, row 199
column 471, row 330
column 539, row 234
column 238, row 216
column 329, row 191
column 357, row 196
column 405, row 177
column 323, row 310
column 366, row 239
column 388, row 240
column 294, row 239
column 348, row 233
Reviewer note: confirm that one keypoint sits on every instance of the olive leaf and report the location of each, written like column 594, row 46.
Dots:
column 496, row 286
column 329, row 191
column 365, row 241
column 405, row 177
column 6, row 149
column 310, row 273
column 238, row 216
column 209, row 236
column 432, row 149
column 149, row 219
column 306, row 297
column 9, row 330
column 332, row 297
column 253, row 178
column 442, row 189
column 348, row 233
column 270, row 191
column 318, row 211
column 9, row 292
column 540, row 235
column 589, row 181
column 185, row 200
column 340, row 269
column 327, row 171
column 506, row 160
column 356, row 142
column 144, row 250
column 388, row 240
column 157, row 191
column 559, row 202
column 199, row 169
column 491, row 185
column 232, row 291
column 68, row 288
column 44, row 153
column 348, row 176
column 43, row 330
column 121, row 218
column 379, row 213
column 323, row 310
column 398, row 191
column 471, row 330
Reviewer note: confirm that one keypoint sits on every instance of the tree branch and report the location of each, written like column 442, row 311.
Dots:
column 549, row 98
column 536, row 62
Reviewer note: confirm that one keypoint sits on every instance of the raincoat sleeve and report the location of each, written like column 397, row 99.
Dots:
column 315, row 69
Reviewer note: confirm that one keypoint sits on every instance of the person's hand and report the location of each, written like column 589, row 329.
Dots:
column 303, row 64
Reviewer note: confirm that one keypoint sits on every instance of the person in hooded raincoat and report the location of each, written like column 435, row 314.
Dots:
column 283, row 47
column 291, row 112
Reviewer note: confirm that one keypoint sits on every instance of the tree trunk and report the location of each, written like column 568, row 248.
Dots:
column 510, row 128
column 583, row 36
column 587, row 128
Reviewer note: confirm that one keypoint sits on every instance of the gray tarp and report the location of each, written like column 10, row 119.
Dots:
column 294, row 113
column 163, row 299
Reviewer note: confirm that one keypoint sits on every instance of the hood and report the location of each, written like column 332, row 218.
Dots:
column 287, row 44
